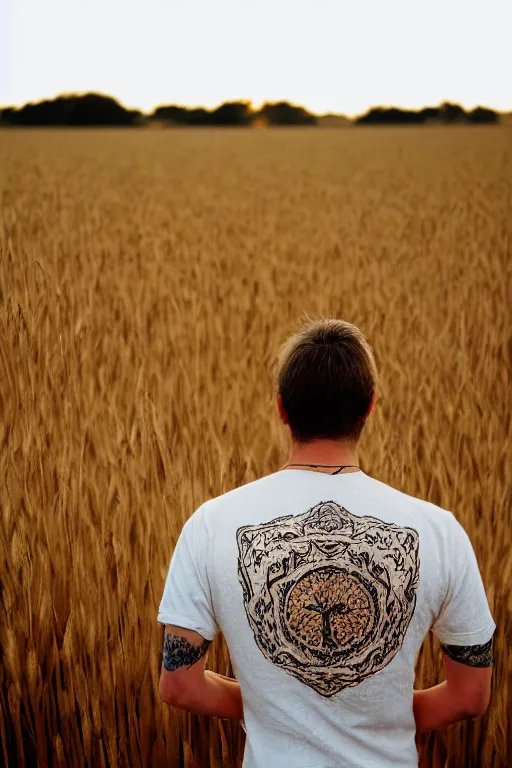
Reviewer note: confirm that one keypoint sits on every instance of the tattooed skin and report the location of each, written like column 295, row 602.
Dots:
column 471, row 655
column 179, row 652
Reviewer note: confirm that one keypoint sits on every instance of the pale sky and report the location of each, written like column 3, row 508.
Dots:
column 329, row 55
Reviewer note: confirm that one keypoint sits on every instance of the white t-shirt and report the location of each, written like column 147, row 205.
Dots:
column 324, row 587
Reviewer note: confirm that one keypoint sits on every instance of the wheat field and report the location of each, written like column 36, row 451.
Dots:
column 147, row 280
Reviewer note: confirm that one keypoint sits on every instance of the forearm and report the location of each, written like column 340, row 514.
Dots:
column 218, row 695
column 436, row 708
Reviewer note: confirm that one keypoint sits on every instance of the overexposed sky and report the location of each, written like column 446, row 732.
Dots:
column 329, row 55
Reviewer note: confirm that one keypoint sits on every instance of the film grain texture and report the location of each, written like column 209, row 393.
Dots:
column 146, row 282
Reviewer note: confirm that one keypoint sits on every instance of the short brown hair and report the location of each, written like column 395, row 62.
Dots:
column 326, row 378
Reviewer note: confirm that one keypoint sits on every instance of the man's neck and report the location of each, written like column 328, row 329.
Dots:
column 327, row 452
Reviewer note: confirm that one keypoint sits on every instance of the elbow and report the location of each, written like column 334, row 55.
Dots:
column 477, row 710
column 168, row 699
column 477, row 705
column 470, row 688
column 171, row 694
column 167, row 696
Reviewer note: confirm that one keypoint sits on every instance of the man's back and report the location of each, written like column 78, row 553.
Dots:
column 324, row 587
column 324, row 583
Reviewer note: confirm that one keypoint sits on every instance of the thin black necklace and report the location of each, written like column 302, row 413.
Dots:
column 338, row 467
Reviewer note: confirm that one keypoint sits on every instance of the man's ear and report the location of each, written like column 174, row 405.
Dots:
column 372, row 404
column 280, row 408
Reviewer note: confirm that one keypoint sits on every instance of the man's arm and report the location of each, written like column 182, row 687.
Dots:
column 186, row 684
column 465, row 693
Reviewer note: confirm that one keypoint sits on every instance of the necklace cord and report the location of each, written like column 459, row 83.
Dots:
column 337, row 467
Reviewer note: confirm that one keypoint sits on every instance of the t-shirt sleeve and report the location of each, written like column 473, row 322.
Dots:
column 465, row 617
column 187, row 601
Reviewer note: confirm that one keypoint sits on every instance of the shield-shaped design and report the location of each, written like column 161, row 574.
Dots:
column 328, row 595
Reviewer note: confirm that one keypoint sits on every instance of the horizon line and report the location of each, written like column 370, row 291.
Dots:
column 254, row 106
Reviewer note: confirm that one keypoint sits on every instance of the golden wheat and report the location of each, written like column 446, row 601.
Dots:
column 146, row 281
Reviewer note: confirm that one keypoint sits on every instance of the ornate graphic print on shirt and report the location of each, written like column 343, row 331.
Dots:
column 328, row 595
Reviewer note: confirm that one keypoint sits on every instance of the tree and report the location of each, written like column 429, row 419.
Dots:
column 483, row 115
column 96, row 109
column 231, row 113
column 429, row 113
column 339, row 607
column 172, row 114
column 282, row 113
column 452, row 113
column 89, row 109
column 390, row 116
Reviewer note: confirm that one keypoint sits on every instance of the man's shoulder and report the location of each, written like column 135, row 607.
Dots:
column 259, row 489
column 427, row 509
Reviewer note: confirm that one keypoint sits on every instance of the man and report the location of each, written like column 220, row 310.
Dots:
column 324, row 583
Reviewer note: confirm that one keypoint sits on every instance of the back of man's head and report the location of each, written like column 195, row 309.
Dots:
column 326, row 379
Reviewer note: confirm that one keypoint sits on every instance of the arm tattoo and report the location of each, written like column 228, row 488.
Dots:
column 471, row 655
column 179, row 652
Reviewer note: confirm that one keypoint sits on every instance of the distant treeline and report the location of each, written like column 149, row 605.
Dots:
column 96, row 109
column 90, row 109
column 446, row 113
